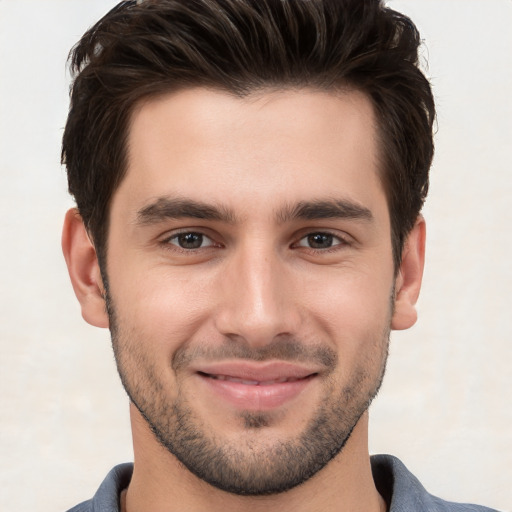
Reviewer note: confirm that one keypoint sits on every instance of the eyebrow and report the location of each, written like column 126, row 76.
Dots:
column 325, row 209
column 178, row 208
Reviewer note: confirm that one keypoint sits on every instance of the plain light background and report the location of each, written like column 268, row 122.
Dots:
column 445, row 407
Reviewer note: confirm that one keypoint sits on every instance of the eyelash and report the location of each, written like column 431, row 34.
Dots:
column 338, row 242
column 168, row 241
column 341, row 242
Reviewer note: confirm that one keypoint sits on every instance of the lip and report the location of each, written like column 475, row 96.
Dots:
column 256, row 386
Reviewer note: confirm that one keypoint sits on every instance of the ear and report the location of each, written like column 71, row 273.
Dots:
column 408, row 280
column 84, row 270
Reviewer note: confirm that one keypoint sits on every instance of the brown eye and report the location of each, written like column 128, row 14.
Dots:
column 190, row 240
column 320, row 241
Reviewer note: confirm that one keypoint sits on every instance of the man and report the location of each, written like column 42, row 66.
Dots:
column 249, row 177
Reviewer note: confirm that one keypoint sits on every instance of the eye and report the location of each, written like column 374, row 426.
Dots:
column 190, row 240
column 320, row 241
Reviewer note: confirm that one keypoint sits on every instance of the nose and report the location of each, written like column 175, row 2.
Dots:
column 257, row 302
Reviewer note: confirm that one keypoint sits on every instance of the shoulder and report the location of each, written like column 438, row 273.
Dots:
column 404, row 492
column 85, row 506
column 106, row 498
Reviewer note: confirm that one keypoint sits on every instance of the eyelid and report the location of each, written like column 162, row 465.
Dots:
column 342, row 238
column 166, row 240
column 175, row 236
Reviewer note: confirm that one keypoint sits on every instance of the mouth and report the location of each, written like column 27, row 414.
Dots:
column 256, row 387
column 246, row 382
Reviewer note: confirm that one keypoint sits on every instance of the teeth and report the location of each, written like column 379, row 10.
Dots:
column 242, row 381
column 254, row 382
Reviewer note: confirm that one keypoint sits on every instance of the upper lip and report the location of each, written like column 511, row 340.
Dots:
column 260, row 372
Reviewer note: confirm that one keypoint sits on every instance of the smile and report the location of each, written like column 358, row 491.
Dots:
column 255, row 387
column 246, row 382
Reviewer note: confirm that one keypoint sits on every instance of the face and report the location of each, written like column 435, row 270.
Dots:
column 251, row 280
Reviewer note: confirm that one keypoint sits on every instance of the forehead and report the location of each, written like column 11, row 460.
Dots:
column 274, row 147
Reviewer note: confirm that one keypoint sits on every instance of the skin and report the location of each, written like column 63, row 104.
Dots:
column 260, row 281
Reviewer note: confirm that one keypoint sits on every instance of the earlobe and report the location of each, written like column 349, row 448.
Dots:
column 408, row 280
column 84, row 270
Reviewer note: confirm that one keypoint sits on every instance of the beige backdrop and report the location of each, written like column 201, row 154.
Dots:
column 445, row 408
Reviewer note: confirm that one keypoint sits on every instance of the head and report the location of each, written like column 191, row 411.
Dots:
column 148, row 48
column 250, row 174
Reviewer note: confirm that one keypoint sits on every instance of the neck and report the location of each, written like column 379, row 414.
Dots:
column 160, row 483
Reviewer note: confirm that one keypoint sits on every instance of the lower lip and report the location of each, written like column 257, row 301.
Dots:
column 254, row 397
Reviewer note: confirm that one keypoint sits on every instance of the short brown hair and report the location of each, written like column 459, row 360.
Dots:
column 150, row 47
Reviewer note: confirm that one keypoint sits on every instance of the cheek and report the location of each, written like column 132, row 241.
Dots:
column 354, row 315
column 159, row 305
column 350, row 302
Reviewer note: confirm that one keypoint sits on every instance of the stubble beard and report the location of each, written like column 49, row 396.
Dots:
column 252, row 467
